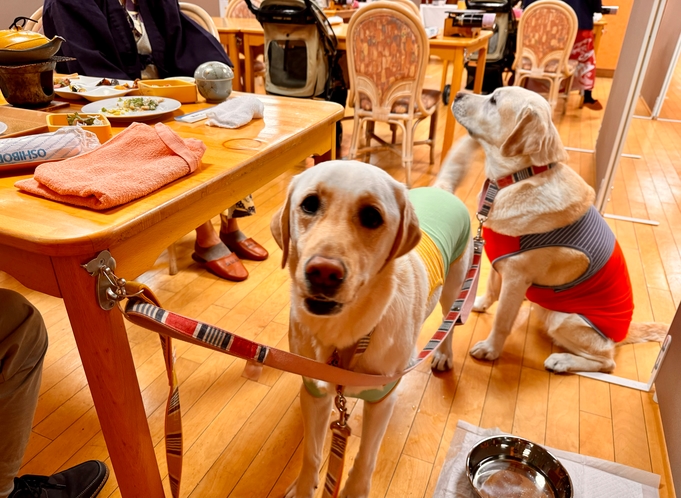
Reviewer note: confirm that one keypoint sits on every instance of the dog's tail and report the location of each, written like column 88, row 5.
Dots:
column 456, row 164
column 645, row 332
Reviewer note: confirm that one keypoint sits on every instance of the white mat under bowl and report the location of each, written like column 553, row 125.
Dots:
column 591, row 477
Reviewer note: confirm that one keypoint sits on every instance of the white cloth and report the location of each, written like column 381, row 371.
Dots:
column 235, row 112
column 435, row 15
column 591, row 477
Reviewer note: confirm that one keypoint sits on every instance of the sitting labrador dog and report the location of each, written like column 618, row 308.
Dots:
column 366, row 256
column 545, row 238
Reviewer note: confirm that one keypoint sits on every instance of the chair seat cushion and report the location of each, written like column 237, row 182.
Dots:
column 429, row 98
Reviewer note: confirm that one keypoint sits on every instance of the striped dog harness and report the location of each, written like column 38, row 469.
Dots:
column 602, row 295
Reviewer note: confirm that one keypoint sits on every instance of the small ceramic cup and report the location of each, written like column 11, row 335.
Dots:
column 214, row 80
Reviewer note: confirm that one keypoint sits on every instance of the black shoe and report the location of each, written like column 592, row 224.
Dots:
column 82, row 481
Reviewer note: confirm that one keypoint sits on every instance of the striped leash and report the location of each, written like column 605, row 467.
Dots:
column 144, row 309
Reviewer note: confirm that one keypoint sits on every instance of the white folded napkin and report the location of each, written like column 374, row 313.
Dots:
column 235, row 112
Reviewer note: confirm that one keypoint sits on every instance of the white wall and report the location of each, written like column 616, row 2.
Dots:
column 9, row 9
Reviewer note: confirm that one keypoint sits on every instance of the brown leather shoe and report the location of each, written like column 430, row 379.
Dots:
column 248, row 249
column 228, row 267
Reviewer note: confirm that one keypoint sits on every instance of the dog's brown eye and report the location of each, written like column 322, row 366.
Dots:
column 493, row 100
column 310, row 204
column 370, row 217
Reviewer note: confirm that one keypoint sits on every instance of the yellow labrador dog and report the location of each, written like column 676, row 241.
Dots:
column 545, row 239
column 366, row 256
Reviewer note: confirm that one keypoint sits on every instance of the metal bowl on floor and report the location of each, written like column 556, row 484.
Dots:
column 513, row 467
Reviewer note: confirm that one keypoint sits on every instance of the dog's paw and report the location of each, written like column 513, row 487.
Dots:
column 442, row 362
column 484, row 351
column 560, row 363
column 355, row 490
column 297, row 490
column 481, row 304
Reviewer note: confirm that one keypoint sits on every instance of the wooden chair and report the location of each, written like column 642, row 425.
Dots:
column 388, row 51
column 200, row 16
column 239, row 9
column 546, row 34
column 37, row 26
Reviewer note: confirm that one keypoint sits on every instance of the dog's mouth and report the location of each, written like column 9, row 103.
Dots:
column 322, row 307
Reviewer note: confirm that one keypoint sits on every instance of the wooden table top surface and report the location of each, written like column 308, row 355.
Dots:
column 39, row 225
column 252, row 26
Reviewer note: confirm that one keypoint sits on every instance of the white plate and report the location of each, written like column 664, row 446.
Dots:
column 93, row 92
column 3, row 127
column 164, row 107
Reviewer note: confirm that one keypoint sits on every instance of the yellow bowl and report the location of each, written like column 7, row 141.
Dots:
column 182, row 91
column 103, row 131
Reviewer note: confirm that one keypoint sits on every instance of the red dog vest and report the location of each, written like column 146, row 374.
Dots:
column 602, row 296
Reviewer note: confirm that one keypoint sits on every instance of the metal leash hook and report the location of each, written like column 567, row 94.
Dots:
column 342, row 410
column 481, row 221
column 110, row 288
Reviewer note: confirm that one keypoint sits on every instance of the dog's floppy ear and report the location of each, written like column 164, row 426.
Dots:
column 279, row 225
column 534, row 135
column 408, row 232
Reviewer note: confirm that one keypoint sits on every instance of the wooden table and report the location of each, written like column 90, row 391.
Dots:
column 451, row 49
column 43, row 245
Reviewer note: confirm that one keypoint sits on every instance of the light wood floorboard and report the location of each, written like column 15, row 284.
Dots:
column 242, row 438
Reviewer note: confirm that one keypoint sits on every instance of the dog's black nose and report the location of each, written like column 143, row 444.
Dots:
column 459, row 96
column 324, row 275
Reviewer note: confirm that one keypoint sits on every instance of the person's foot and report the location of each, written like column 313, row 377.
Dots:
column 594, row 105
column 245, row 248
column 82, row 481
column 220, row 261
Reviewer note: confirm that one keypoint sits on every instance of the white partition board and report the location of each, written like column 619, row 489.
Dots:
column 626, row 87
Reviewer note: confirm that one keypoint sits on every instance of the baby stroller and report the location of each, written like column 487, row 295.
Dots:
column 500, row 49
column 301, row 56
column 301, row 53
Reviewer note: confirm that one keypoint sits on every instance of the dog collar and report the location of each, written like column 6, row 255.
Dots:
column 523, row 174
column 492, row 187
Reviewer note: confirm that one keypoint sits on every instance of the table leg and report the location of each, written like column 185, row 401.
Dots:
column 234, row 57
column 105, row 352
column 457, row 74
column 329, row 155
column 445, row 69
column 480, row 70
column 248, row 65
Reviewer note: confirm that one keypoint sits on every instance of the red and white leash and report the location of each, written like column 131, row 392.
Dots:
column 144, row 309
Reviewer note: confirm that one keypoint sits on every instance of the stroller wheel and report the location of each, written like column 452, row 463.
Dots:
column 445, row 94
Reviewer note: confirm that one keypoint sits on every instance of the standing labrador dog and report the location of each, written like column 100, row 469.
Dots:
column 366, row 256
column 545, row 239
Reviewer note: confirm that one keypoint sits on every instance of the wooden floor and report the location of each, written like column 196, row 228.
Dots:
column 242, row 438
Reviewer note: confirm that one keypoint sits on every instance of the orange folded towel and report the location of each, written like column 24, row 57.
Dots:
column 134, row 163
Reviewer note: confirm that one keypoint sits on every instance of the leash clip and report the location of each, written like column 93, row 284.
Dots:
column 110, row 289
column 342, row 410
column 481, row 220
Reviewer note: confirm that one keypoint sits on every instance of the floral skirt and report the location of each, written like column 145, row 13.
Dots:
column 583, row 53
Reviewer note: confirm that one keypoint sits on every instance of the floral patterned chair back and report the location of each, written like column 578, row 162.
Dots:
column 388, row 52
column 239, row 9
column 546, row 34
